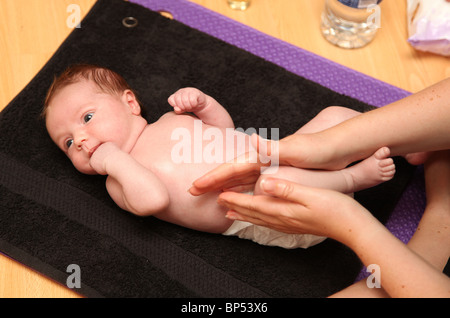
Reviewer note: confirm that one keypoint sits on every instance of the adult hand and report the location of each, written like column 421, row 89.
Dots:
column 238, row 175
column 293, row 208
column 295, row 150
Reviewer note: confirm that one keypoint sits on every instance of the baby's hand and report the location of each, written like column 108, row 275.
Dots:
column 188, row 99
column 101, row 154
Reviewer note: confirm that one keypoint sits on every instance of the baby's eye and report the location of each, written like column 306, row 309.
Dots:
column 88, row 117
column 69, row 143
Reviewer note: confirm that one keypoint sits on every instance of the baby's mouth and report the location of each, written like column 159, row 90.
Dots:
column 92, row 150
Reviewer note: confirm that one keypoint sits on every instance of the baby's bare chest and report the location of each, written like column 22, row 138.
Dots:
column 174, row 154
column 178, row 153
column 184, row 148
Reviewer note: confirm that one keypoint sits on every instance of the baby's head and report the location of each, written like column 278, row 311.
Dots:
column 87, row 106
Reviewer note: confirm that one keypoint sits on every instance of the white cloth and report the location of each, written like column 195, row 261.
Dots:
column 265, row 236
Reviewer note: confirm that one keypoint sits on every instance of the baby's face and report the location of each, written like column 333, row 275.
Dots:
column 80, row 118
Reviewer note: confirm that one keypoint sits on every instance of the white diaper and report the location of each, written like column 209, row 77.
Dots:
column 265, row 236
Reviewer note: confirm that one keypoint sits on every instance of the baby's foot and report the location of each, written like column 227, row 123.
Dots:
column 372, row 171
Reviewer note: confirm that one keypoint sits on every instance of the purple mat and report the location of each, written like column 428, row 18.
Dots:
column 296, row 60
column 406, row 216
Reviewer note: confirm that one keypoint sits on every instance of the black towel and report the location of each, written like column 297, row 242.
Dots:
column 52, row 216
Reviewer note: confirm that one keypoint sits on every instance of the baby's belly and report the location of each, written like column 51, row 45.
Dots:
column 201, row 213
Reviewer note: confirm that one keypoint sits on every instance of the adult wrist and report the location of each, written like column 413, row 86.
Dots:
column 361, row 231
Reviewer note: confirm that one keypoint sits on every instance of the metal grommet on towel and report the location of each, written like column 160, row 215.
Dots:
column 129, row 22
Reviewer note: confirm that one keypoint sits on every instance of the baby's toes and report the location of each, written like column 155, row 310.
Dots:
column 386, row 163
column 388, row 172
column 382, row 153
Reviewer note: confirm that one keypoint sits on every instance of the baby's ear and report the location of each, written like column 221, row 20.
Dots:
column 130, row 99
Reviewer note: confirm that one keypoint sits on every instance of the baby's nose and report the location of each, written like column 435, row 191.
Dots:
column 86, row 146
column 80, row 142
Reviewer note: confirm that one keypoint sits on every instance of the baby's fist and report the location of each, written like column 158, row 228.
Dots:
column 101, row 154
column 187, row 99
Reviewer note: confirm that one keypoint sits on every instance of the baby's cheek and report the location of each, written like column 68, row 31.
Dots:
column 83, row 166
column 115, row 133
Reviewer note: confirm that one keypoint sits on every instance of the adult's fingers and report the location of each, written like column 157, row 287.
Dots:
column 291, row 191
column 242, row 188
column 283, row 197
column 267, row 149
column 266, row 221
column 242, row 170
column 226, row 176
column 260, row 210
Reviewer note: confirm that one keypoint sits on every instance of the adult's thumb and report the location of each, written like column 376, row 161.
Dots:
column 267, row 149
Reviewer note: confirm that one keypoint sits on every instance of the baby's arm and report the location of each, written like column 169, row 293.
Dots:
column 205, row 107
column 132, row 186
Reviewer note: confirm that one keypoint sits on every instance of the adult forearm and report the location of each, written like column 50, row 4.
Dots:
column 417, row 123
column 403, row 273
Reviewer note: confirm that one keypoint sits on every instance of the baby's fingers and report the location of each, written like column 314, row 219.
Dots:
column 192, row 99
column 175, row 100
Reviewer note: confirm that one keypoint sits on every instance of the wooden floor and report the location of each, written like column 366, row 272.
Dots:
column 31, row 31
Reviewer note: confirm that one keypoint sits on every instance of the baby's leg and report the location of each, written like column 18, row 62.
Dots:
column 368, row 173
column 327, row 118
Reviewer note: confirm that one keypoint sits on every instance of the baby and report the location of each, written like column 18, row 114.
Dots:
column 95, row 118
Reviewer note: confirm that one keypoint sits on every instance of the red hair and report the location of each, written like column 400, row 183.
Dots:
column 107, row 81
